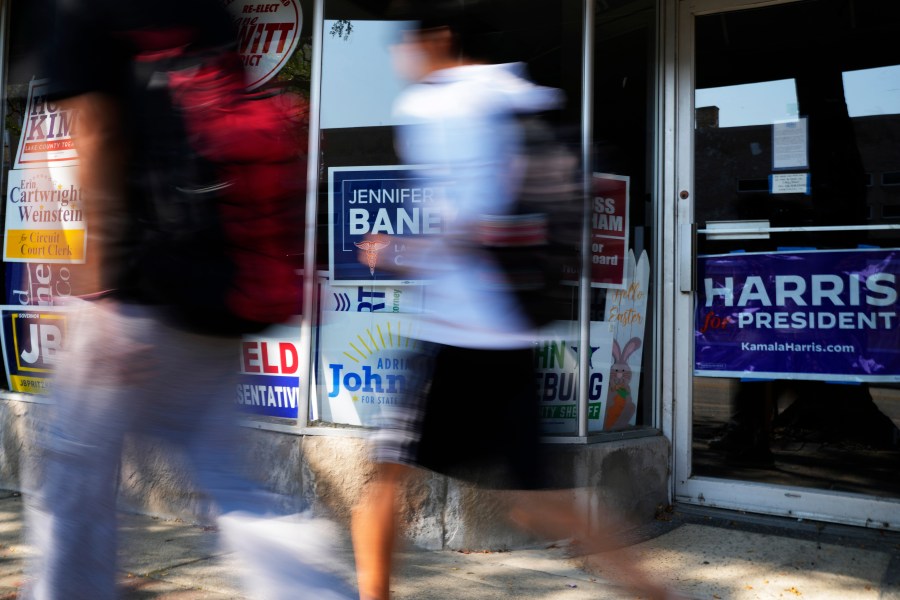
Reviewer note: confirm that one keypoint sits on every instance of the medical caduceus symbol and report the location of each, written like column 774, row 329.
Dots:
column 371, row 248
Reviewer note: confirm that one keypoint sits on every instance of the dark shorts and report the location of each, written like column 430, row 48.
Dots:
column 470, row 414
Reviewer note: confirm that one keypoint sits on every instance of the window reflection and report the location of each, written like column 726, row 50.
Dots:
column 359, row 82
column 873, row 92
column 747, row 104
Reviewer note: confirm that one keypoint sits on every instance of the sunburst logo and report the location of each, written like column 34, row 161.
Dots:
column 390, row 336
column 377, row 362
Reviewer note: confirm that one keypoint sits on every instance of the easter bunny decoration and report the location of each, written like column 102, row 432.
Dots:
column 620, row 406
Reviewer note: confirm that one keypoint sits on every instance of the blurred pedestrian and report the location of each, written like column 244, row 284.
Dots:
column 127, row 368
column 459, row 120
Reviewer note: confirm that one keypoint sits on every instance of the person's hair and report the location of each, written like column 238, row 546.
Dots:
column 475, row 24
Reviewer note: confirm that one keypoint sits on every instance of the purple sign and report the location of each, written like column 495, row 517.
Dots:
column 821, row 314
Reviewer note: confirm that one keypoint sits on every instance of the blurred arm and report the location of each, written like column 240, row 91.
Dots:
column 101, row 156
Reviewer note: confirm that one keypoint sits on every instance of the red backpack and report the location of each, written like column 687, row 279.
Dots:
column 225, row 178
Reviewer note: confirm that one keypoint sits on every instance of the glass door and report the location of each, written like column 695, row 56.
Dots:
column 789, row 221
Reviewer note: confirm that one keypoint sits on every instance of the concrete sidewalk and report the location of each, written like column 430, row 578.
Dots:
column 715, row 556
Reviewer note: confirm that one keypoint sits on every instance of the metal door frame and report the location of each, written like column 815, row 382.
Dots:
column 680, row 257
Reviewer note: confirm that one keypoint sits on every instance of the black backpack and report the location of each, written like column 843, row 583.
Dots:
column 537, row 244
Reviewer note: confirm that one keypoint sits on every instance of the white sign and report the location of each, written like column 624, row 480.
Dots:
column 46, row 132
column 789, row 145
column 268, row 34
column 363, row 364
column 789, row 183
column 372, row 298
column 556, row 361
column 45, row 220
column 626, row 313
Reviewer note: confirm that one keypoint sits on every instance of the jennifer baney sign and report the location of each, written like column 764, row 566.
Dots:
column 826, row 314
column 386, row 200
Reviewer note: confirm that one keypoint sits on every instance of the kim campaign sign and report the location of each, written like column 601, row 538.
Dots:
column 47, row 131
column 819, row 314
column 385, row 200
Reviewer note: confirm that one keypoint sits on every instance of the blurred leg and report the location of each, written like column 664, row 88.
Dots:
column 284, row 558
column 283, row 555
column 374, row 530
column 554, row 515
column 73, row 518
column 71, row 514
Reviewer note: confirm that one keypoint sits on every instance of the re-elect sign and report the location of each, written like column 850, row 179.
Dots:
column 386, row 200
column 268, row 34
column 826, row 314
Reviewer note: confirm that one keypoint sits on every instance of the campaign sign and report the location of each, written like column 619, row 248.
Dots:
column 37, row 284
column 609, row 229
column 45, row 221
column 268, row 33
column 32, row 340
column 363, row 364
column 556, row 366
column 385, row 200
column 269, row 379
column 828, row 314
column 46, row 131
column 372, row 298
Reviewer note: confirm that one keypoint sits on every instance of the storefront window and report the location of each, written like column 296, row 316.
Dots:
column 357, row 139
column 356, row 322
column 361, row 327
column 41, row 255
column 270, row 366
column 622, row 223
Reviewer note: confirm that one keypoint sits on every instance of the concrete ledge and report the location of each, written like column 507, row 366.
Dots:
column 628, row 478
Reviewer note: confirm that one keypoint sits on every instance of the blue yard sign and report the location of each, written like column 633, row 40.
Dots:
column 385, row 201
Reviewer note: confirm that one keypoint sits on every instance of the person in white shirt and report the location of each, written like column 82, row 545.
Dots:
column 460, row 120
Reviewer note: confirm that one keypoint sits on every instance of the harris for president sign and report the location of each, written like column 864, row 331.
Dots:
column 816, row 314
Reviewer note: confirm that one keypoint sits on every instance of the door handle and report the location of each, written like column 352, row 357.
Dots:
column 687, row 245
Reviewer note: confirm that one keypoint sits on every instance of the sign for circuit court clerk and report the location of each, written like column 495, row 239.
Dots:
column 44, row 216
column 397, row 203
column 805, row 314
